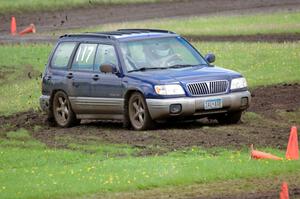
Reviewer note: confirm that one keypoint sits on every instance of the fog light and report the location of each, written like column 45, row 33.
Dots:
column 175, row 108
column 244, row 101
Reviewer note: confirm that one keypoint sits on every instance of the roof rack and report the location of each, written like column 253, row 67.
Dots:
column 111, row 34
column 106, row 36
column 144, row 30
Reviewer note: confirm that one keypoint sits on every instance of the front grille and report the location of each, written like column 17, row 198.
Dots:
column 208, row 87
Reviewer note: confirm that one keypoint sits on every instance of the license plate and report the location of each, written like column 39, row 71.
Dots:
column 213, row 104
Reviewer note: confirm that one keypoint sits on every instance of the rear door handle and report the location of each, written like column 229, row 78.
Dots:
column 70, row 75
column 95, row 77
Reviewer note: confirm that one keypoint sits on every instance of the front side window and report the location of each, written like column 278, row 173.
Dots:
column 159, row 53
column 106, row 54
column 84, row 57
column 62, row 55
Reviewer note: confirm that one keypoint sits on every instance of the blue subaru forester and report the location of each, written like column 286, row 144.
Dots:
column 138, row 76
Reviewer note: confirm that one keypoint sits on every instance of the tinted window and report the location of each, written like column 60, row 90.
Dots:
column 106, row 54
column 84, row 57
column 62, row 55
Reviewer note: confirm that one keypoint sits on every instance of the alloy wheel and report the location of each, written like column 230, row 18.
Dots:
column 137, row 112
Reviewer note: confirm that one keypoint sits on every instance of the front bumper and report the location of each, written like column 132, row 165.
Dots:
column 194, row 106
column 44, row 102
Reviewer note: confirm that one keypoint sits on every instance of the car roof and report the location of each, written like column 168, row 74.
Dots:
column 123, row 34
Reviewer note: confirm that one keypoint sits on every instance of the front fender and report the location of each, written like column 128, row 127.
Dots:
column 146, row 88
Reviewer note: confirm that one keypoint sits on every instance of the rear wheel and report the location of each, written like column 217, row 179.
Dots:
column 62, row 111
column 230, row 118
column 139, row 116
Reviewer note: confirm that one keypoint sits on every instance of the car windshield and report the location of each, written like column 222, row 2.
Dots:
column 159, row 53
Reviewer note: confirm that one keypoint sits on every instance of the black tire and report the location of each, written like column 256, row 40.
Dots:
column 50, row 120
column 139, row 116
column 62, row 111
column 230, row 118
column 126, row 120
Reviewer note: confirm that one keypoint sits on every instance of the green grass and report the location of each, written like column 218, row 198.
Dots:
column 261, row 63
column 20, row 139
column 24, row 55
column 50, row 173
column 8, row 6
column 18, row 92
column 25, row 96
column 22, row 134
column 94, row 145
column 217, row 25
column 293, row 116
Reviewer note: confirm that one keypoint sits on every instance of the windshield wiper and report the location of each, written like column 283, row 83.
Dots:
column 185, row 65
column 180, row 66
column 145, row 68
column 174, row 66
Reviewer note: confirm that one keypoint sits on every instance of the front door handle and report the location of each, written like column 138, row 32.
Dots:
column 70, row 75
column 95, row 77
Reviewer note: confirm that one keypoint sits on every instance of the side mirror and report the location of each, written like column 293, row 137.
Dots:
column 108, row 68
column 210, row 58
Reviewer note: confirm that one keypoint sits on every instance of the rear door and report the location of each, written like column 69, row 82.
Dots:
column 107, row 90
column 80, row 75
column 56, row 76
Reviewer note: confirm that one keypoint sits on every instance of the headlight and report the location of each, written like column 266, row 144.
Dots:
column 169, row 89
column 238, row 83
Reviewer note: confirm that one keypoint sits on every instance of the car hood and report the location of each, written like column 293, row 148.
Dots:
column 184, row 75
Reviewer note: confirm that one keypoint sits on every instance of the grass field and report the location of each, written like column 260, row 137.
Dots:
column 261, row 63
column 50, row 173
column 18, row 91
column 217, row 25
column 7, row 6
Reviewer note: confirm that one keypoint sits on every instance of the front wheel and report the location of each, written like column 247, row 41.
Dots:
column 230, row 118
column 139, row 116
column 62, row 111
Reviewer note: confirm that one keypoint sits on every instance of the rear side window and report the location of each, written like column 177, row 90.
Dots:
column 84, row 58
column 62, row 55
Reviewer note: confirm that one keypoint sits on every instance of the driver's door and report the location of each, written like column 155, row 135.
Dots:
column 106, row 88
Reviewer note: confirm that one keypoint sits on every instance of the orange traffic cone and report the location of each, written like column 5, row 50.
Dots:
column 262, row 155
column 29, row 29
column 13, row 26
column 284, row 193
column 292, row 151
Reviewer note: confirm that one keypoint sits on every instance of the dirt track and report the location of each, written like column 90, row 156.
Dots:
column 268, row 127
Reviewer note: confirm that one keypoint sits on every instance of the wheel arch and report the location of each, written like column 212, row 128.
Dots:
column 128, row 93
